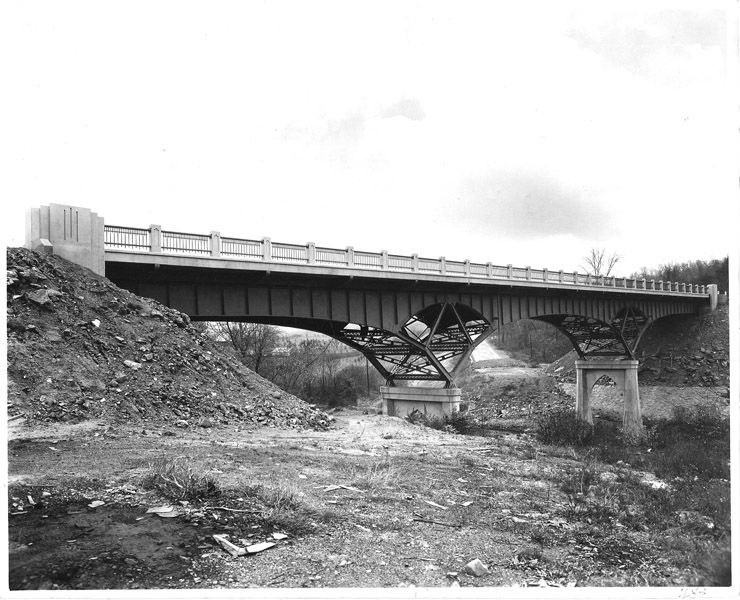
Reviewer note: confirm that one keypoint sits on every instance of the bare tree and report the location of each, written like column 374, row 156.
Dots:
column 599, row 263
column 253, row 341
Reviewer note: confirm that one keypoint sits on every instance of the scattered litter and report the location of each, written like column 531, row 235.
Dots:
column 430, row 503
column 461, row 480
column 476, row 568
column 302, row 476
column 228, row 546
column 96, row 503
column 96, row 322
column 166, row 512
column 468, row 503
column 53, row 448
column 161, row 509
column 518, row 520
column 332, row 487
column 279, row 536
column 361, row 527
column 254, row 548
column 31, row 501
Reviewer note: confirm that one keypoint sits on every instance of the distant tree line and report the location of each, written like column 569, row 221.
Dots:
column 695, row 271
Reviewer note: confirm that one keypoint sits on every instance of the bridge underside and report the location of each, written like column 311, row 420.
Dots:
column 408, row 329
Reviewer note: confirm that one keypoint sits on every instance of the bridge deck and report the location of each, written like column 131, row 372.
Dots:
column 154, row 246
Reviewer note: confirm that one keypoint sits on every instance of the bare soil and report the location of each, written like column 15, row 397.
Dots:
column 496, row 499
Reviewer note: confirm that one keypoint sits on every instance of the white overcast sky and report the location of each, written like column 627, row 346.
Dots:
column 511, row 132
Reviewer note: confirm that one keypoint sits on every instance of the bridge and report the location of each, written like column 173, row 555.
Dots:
column 415, row 319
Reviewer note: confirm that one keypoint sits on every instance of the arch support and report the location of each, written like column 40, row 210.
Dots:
column 624, row 374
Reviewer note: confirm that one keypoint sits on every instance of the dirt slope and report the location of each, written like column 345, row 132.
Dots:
column 81, row 348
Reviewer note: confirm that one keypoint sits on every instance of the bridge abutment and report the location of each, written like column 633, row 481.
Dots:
column 432, row 402
column 72, row 232
column 624, row 375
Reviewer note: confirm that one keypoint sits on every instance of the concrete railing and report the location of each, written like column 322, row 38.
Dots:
column 155, row 239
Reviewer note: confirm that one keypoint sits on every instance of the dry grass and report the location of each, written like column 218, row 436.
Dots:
column 179, row 479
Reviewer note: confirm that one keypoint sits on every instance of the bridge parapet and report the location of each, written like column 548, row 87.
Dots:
column 155, row 240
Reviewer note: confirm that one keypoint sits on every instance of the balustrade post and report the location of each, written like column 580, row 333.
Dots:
column 415, row 263
column 489, row 270
column 624, row 282
column 560, row 276
column 266, row 249
column 644, row 283
column 311, row 253
column 215, row 244
column 528, row 273
column 384, row 259
column 350, row 256
column 588, row 278
column 509, row 272
column 443, row 265
column 545, row 274
column 466, row 267
column 155, row 238
column 660, row 284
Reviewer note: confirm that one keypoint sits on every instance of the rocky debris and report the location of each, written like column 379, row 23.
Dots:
column 476, row 568
column 79, row 347
column 494, row 398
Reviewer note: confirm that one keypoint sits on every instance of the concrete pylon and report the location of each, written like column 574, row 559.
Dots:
column 624, row 375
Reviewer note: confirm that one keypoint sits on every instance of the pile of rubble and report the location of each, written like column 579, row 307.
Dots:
column 79, row 347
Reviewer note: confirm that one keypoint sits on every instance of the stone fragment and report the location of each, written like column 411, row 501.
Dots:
column 476, row 568
column 96, row 503
column 42, row 297
column 132, row 364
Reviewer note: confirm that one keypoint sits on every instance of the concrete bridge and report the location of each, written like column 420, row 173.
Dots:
column 414, row 318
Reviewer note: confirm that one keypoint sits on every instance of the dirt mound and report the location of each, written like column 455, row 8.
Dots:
column 498, row 394
column 676, row 351
column 79, row 347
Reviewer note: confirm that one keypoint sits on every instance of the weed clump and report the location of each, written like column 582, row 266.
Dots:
column 457, row 422
column 563, row 427
column 177, row 479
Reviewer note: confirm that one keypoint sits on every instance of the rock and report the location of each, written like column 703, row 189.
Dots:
column 42, row 297
column 476, row 568
column 96, row 503
column 96, row 322
column 182, row 423
column 132, row 364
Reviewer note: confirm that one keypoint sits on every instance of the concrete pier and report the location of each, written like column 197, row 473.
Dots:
column 432, row 402
column 624, row 374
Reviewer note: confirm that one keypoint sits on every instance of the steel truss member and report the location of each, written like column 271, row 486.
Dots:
column 433, row 336
column 592, row 338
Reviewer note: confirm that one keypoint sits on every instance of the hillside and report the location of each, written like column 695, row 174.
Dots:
column 79, row 348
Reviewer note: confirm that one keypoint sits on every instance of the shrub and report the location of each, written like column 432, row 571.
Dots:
column 457, row 422
column 564, row 427
column 177, row 479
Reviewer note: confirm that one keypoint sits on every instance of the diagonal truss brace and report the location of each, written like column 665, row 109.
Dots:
column 418, row 351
